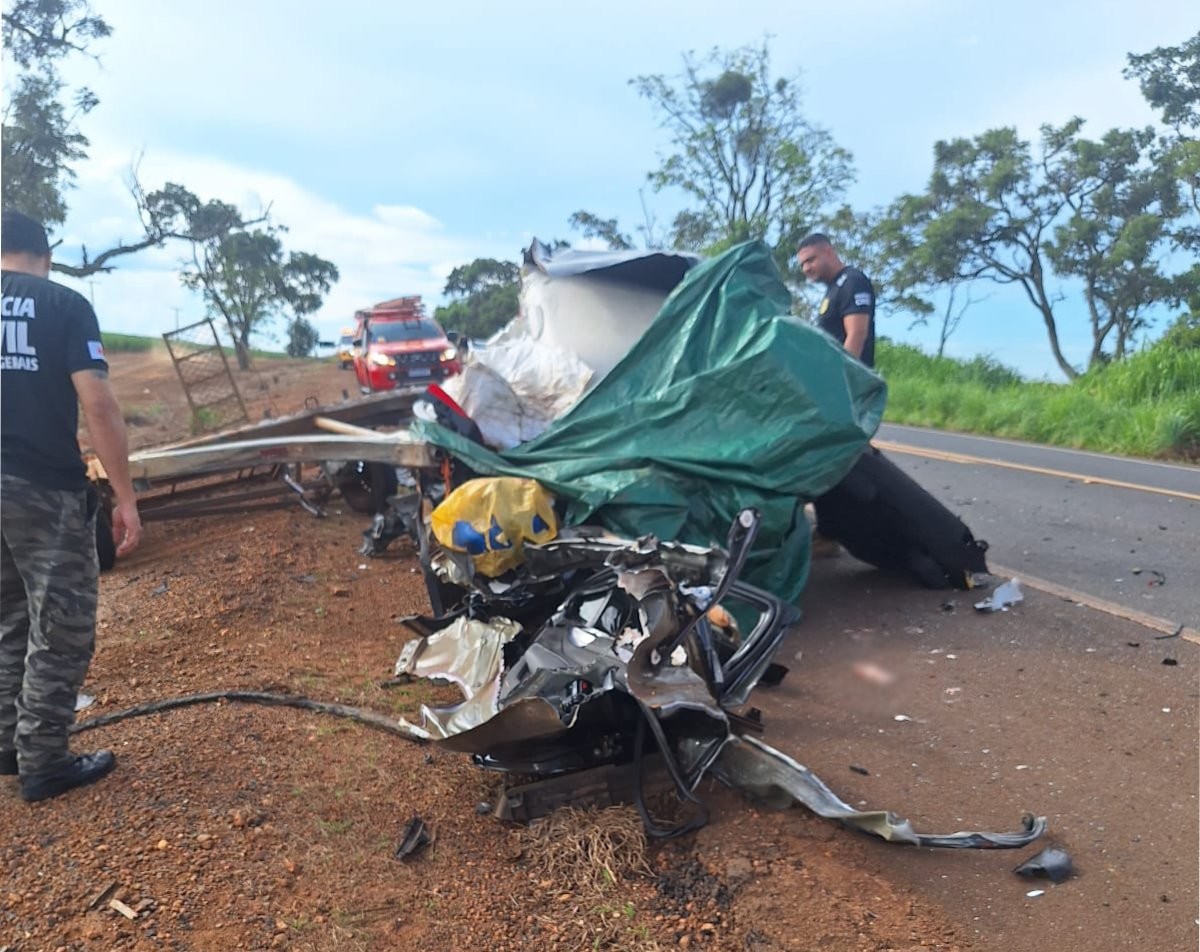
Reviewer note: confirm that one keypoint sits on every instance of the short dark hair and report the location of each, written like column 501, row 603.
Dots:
column 21, row 234
column 817, row 238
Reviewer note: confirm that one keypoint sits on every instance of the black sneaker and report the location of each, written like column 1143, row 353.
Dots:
column 8, row 763
column 84, row 769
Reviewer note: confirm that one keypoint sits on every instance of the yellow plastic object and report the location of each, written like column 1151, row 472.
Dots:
column 491, row 519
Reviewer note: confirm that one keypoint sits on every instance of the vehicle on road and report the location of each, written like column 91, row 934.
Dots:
column 396, row 342
column 345, row 349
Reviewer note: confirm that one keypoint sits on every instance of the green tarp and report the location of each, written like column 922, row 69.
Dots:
column 725, row 402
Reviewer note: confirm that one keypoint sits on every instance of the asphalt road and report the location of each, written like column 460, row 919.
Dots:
column 910, row 700
column 1120, row 530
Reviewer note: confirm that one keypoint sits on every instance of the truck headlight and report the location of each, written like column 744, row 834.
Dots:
column 449, row 353
column 382, row 360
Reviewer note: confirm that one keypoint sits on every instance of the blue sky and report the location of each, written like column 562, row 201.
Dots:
column 400, row 139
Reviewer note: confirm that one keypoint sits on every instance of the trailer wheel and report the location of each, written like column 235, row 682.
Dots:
column 106, row 549
column 366, row 486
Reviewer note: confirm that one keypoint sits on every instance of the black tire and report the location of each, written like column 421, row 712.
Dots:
column 366, row 486
column 106, row 549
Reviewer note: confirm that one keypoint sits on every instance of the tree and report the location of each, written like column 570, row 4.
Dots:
column 245, row 277
column 985, row 215
column 40, row 136
column 485, row 294
column 1119, row 203
column 302, row 338
column 41, row 139
column 593, row 226
column 743, row 152
column 1169, row 77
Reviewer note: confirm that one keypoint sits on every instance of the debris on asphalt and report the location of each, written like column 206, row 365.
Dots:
column 875, row 674
column 1004, row 596
column 1052, row 863
column 1158, row 580
column 1170, row 662
column 860, row 770
column 84, row 701
column 1034, row 893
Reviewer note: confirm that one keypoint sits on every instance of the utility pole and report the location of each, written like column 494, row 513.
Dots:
column 176, row 310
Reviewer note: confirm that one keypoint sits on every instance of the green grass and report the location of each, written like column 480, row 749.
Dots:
column 129, row 343
column 133, row 344
column 1147, row 405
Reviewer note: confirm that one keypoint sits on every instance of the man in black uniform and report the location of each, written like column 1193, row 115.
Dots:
column 847, row 312
column 52, row 361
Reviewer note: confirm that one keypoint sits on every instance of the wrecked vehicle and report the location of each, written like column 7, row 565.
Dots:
column 626, row 645
column 603, row 660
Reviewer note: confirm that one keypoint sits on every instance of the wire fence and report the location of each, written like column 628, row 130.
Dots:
column 207, row 380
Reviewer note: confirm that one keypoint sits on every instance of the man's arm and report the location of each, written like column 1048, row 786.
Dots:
column 106, row 427
column 856, row 326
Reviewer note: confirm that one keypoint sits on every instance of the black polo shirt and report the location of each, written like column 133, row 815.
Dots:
column 49, row 333
column 850, row 292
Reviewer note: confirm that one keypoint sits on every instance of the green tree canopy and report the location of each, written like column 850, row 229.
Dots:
column 742, row 152
column 302, row 338
column 485, row 297
column 1119, row 203
column 41, row 139
column 1169, row 77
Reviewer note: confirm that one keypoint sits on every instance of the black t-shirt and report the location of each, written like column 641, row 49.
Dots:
column 849, row 293
column 49, row 333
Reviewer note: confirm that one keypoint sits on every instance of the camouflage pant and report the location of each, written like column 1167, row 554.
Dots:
column 48, row 588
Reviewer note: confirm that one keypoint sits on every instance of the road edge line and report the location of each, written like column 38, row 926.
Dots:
column 950, row 456
column 1163, row 625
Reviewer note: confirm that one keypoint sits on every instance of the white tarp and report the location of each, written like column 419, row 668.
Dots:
column 516, row 385
column 580, row 313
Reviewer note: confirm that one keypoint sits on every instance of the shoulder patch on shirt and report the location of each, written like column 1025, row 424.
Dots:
column 95, row 349
column 840, row 281
column 862, row 299
column 824, row 306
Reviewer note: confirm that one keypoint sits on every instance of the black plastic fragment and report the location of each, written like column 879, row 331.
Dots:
column 1171, row 662
column 1052, row 863
column 773, row 675
column 416, row 835
column 860, row 770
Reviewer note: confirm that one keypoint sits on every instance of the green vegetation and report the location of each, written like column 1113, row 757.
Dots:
column 129, row 343
column 135, row 344
column 1145, row 405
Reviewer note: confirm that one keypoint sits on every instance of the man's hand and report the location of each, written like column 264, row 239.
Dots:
column 126, row 526
column 106, row 427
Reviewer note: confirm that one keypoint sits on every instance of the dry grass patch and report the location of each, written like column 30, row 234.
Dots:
column 586, row 850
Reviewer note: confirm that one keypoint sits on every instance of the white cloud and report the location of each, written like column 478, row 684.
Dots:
column 384, row 252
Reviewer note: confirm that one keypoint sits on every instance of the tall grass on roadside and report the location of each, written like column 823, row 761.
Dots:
column 1146, row 405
